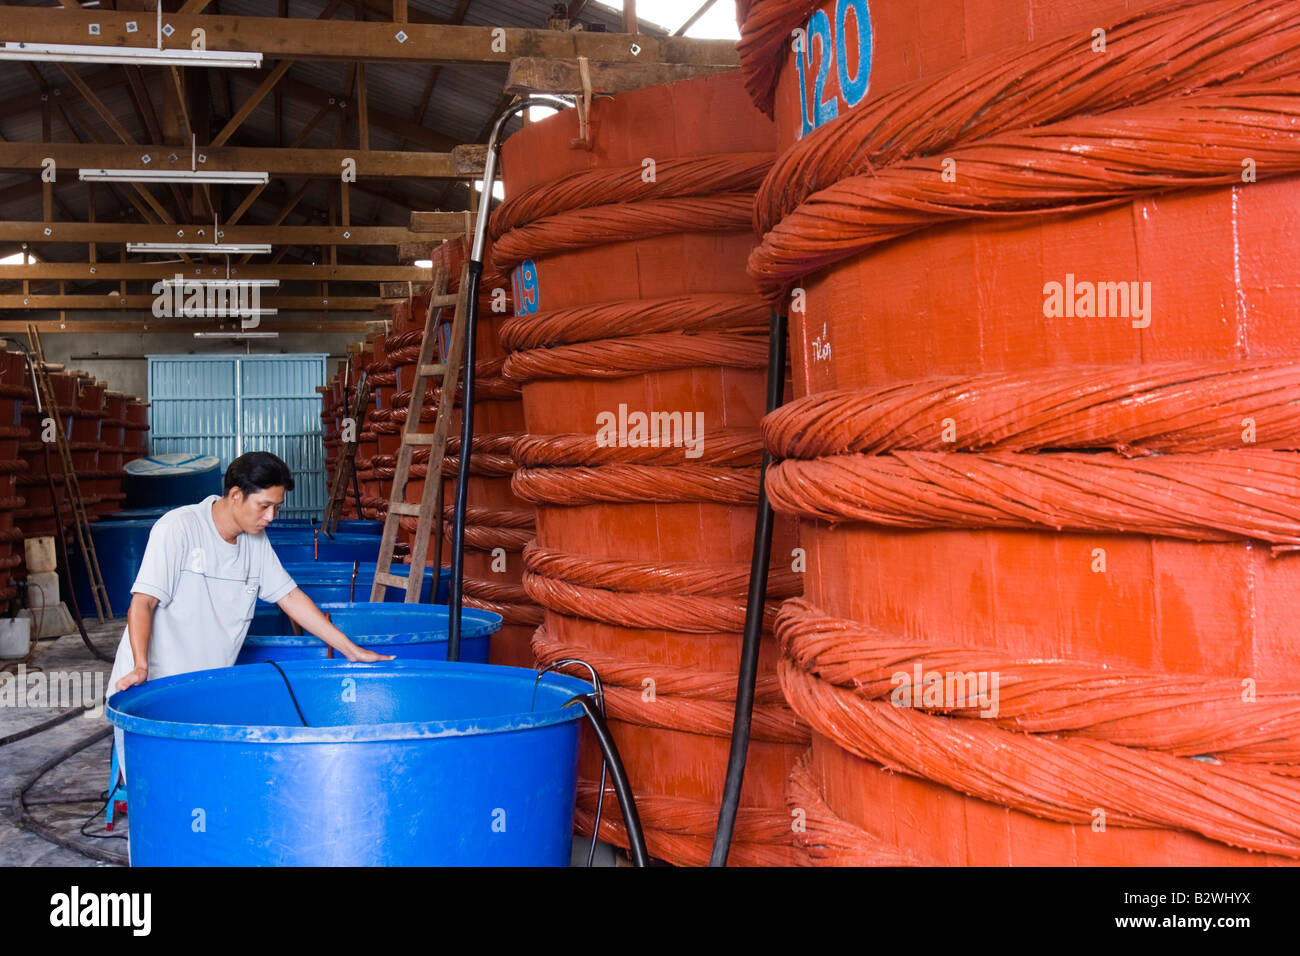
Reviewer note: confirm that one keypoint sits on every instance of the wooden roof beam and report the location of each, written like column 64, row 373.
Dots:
column 312, row 163
column 116, row 271
column 375, row 42
column 121, row 232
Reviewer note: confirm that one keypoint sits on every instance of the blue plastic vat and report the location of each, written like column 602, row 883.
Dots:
column 299, row 545
column 119, row 547
column 417, row 631
column 332, row 581
column 405, row 763
column 171, row 480
column 346, row 525
column 135, row 514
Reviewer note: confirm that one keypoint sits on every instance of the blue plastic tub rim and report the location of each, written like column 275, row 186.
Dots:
column 560, row 685
column 473, row 623
column 340, row 572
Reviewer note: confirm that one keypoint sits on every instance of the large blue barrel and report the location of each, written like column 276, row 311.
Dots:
column 404, row 763
column 171, row 480
column 332, row 581
column 119, row 548
column 417, row 631
column 135, row 514
column 345, row 525
column 298, row 545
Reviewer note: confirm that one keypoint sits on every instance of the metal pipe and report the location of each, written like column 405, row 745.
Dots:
column 474, row 274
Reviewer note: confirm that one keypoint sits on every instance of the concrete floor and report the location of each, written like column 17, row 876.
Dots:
column 80, row 778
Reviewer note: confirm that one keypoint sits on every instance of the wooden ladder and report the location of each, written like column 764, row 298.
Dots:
column 81, row 522
column 347, row 462
column 429, row 510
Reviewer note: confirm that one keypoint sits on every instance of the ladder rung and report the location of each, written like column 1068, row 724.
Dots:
column 402, row 508
column 428, row 370
column 436, row 301
column 419, row 438
column 391, row 580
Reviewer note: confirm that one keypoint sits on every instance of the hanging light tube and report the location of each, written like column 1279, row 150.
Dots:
column 179, row 283
column 127, row 55
column 236, row 335
column 216, row 248
column 215, row 177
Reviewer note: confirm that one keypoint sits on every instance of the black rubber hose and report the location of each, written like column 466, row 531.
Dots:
column 475, row 274
column 43, row 726
column 47, row 832
column 758, row 572
column 626, row 802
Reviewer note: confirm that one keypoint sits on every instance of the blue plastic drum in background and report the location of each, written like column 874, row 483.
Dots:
column 299, row 545
column 405, row 763
column 135, row 514
column 119, row 548
column 409, row 631
column 345, row 525
column 171, row 480
column 332, row 581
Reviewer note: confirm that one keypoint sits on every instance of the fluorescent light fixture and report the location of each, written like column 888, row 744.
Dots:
column 237, row 334
column 215, row 177
column 424, row 263
column 222, row 283
column 128, row 55
column 229, row 248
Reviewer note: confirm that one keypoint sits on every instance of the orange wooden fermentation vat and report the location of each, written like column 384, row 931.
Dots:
column 626, row 262
column 948, row 456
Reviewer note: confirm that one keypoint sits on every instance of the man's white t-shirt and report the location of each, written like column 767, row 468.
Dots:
column 207, row 591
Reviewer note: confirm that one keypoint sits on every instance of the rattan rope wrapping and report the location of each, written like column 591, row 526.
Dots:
column 1214, row 496
column 1062, row 778
column 583, row 228
column 1135, row 410
column 680, row 313
column 682, row 830
column 674, row 177
column 773, row 723
column 828, row 839
column 1150, row 56
column 638, row 354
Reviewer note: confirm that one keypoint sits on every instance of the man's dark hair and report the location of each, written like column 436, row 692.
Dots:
column 257, row 471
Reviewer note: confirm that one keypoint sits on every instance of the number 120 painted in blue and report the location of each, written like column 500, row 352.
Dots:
column 818, row 32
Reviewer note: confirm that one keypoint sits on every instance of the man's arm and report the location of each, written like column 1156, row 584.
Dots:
column 139, row 627
column 303, row 611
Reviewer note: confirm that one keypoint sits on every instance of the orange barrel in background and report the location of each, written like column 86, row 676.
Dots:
column 112, row 441
column 373, row 505
column 137, row 428
column 36, row 516
column 1042, row 280
column 627, row 262
column 14, row 379
column 87, row 422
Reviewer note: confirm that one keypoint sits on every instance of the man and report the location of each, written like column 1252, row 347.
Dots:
column 204, row 569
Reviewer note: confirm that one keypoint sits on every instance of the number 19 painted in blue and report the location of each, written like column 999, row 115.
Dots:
column 523, row 285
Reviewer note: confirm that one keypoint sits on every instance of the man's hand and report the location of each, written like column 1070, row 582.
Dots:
column 364, row 656
column 137, row 676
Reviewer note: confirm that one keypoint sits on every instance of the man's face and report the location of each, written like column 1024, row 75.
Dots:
column 255, row 511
